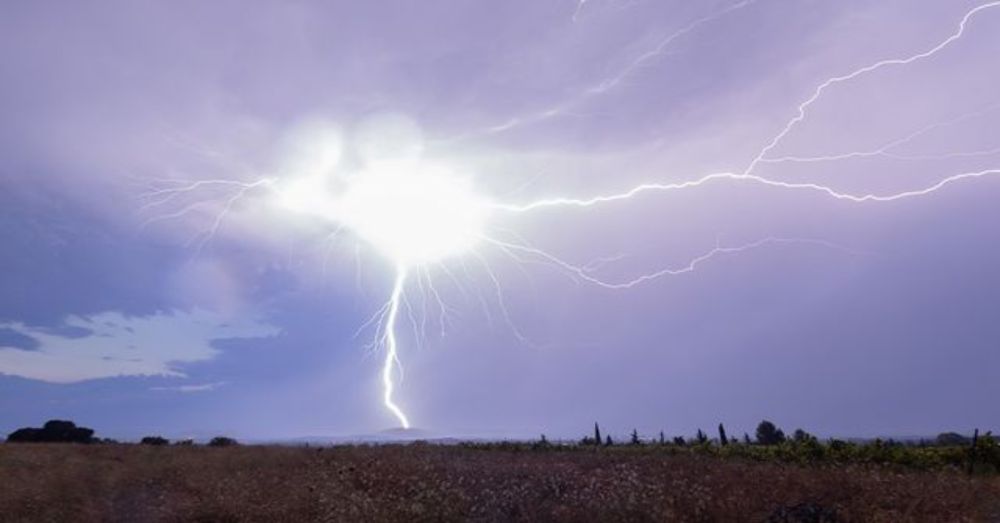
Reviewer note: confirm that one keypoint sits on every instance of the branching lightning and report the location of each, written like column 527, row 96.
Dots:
column 886, row 149
column 651, row 187
column 427, row 216
column 605, row 85
column 585, row 273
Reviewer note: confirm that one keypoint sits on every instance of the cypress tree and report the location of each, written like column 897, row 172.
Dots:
column 722, row 435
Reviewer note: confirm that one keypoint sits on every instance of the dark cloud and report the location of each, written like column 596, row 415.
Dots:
column 12, row 338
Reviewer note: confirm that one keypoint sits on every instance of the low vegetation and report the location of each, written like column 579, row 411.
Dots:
column 793, row 479
column 975, row 455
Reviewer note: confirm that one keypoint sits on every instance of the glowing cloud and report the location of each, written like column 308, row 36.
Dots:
column 413, row 217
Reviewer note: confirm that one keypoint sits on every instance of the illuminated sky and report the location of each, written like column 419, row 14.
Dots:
column 207, row 313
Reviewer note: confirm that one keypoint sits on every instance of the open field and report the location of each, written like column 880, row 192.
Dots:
column 421, row 482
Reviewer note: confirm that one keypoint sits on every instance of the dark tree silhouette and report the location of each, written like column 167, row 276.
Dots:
column 663, row 439
column 635, row 438
column 701, row 437
column 541, row 444
column 722, row 436
column 769, row 434
column 951, row 439
column 972, row 452
column 597, row 434
column 154, row 440
column 222, row 441
column 54, row 431
column 801, row 436
column 607, row 441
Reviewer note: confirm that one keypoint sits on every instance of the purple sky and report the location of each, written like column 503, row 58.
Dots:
column 840, row 317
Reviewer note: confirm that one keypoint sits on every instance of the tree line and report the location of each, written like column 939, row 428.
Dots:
column 975, row 454
column 63, row 431
column 767, row 433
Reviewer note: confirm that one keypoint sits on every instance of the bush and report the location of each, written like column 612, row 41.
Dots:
column 222, row 441
column 154, row 440
column 542, row 444
column 54, row 431
column 951, row 439
column 769, row 434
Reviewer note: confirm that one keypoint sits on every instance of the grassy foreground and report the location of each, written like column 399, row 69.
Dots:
column 420, row 482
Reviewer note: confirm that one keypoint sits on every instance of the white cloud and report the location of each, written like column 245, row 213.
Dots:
column 204, row 387
column 119, row 345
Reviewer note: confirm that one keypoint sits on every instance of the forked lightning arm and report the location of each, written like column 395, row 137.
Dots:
column 652, row 187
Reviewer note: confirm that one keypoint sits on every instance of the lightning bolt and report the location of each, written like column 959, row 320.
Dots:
column 604, row 85
column 160, row 196
column 392, row 348
column 578, row 10
column 886, row 149
column 658, row 50
column 830, row 82
column 386, row 318
column 801, row 111
column 659, row 187
column 585, row 272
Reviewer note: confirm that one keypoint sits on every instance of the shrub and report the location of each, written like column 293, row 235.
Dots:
column 541, row 444
column 801, row 436
column 222, row 441
column 769, row 434
column 54, row 431
column 951, row 439
column 154, row 440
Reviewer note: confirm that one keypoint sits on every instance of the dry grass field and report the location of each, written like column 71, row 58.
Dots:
column 64, row 482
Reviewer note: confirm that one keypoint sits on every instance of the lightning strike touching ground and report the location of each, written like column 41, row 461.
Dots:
column 392, row 348
column 427, row 260
column 419, row 214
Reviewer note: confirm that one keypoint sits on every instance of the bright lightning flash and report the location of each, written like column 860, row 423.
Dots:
column 412, row 214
